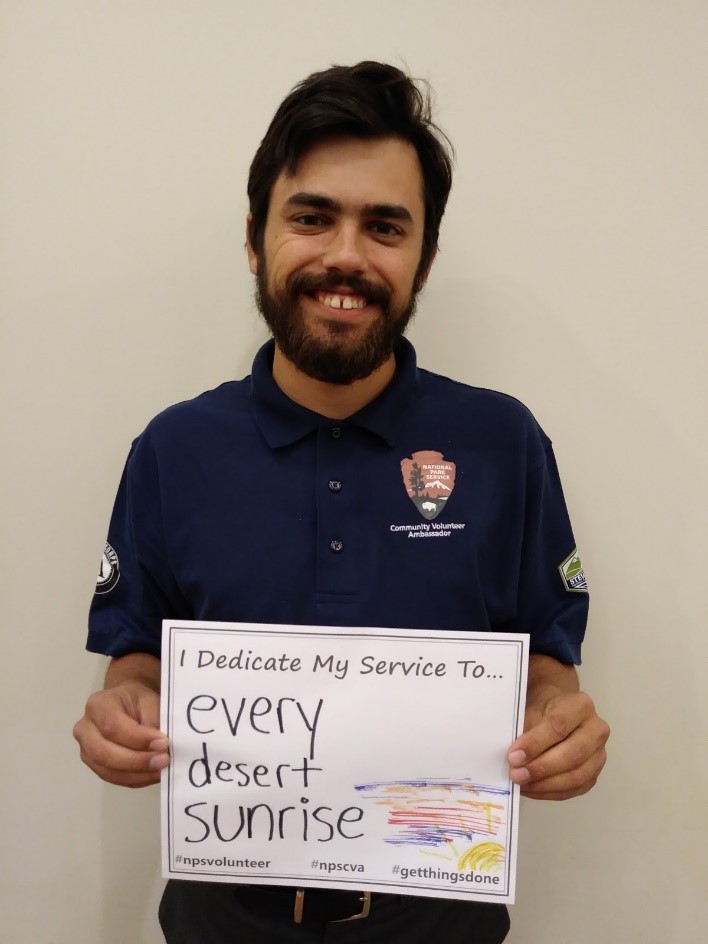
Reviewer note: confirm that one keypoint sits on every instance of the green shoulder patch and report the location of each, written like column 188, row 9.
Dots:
column 572, row 574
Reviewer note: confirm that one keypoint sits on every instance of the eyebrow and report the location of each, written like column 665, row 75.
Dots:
column 316, row 201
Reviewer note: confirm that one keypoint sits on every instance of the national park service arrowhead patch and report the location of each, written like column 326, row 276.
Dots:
column 109, row 571
column 429, row 479
column 571, row 570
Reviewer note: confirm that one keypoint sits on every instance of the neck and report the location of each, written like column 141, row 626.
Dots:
column 334, row 401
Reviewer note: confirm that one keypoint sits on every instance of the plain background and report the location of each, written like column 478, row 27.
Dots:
column 572, row 274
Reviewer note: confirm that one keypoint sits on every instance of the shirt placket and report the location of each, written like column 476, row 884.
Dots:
column 336, row 553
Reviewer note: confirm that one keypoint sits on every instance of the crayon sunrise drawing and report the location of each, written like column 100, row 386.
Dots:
column 439, row 815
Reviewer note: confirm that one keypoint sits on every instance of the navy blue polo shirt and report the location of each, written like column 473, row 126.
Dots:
column 437, row 506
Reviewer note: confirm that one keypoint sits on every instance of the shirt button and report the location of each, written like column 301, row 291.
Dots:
column 335, row 486
column 336, row 547
column 336, row 432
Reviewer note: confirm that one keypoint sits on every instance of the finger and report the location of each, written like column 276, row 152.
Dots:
column 568, row 784
column 570, row 754
column 122, row 778
column 110, row 755
column 110, row 716
column 561, row 717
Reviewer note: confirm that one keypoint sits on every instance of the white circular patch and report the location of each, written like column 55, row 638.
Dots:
column 109, row 572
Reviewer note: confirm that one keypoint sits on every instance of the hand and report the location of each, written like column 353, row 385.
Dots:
column 562, row 750
column 119, row 735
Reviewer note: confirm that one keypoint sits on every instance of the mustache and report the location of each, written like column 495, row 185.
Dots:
column 300, row 282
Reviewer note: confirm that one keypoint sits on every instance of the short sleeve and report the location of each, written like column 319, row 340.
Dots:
column 552, row 597
column 136, row 589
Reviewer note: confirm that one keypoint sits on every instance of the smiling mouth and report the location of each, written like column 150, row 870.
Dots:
column 343, row 302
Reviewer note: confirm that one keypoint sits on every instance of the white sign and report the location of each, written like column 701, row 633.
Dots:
column 346, row 758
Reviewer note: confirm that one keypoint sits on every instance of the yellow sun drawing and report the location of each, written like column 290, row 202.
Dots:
column 484, row 857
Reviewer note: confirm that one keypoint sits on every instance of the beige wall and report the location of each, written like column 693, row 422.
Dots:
column 572, row 274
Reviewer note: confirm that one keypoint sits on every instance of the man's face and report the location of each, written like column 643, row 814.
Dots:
column 337, row 277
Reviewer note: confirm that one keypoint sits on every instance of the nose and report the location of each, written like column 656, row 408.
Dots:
column 346, row 250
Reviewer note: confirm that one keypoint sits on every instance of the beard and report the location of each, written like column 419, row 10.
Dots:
column 341, row 354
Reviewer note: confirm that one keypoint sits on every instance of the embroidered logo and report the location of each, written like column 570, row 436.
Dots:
column 573, row 575
column 429, row 479
column 109, row 572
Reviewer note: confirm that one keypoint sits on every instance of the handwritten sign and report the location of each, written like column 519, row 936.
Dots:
column 338, row 757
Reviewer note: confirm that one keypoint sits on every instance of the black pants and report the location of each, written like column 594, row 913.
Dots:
column 217, row 913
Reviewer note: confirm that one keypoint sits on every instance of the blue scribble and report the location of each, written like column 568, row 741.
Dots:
column 465, row 784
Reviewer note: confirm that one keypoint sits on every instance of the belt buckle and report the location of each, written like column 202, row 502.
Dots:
column 300, row 905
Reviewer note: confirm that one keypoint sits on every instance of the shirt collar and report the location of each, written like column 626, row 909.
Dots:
column 282, row 421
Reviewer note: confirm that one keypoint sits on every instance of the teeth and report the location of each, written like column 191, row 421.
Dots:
column 346, row 302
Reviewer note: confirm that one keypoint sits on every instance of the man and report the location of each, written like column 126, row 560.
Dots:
column 272, row 499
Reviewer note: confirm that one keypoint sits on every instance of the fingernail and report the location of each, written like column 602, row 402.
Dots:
column 159, row 762
column 517, row 758
column 159, row 744
column 519, row 775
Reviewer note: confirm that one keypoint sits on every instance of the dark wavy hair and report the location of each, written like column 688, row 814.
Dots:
column 366, row 100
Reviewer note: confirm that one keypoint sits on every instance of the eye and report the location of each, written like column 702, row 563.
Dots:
column 382, row 228
column 309, row 219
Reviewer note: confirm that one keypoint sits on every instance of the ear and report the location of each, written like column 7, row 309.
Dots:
column 252, row 257
column 422, row 277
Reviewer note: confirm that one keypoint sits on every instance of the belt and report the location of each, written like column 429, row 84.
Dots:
column 308, row 906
